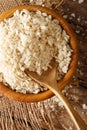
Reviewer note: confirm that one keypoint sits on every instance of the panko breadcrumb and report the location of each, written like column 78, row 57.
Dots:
column 31, row 40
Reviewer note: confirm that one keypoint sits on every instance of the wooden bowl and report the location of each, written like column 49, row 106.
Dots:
column 73, row 65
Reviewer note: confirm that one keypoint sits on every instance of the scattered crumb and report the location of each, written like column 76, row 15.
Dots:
column 31, row 1
column 67, row 9
column 70, row 18
column 83, row 34
column 73, row 14
column 51, row 106
column 77, row 31
column 65, row 16
column 78, row 19
column 84, row 106
column 80, row 72
column 80, row 1
column 56, row 100
column 63, row 91
column 83, row 112
column 69, row 86
column 70, row 128
column 75, row 108
column 47, row 3
column 79, row 63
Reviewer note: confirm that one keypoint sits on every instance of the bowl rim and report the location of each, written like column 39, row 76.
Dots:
column 7, row 91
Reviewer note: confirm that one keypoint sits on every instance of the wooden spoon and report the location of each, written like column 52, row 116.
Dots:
column 48, row 79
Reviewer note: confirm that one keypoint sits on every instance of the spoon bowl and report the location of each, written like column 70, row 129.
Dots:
column 72, row 67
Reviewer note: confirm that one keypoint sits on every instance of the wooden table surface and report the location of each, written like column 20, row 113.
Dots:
column 50, row 114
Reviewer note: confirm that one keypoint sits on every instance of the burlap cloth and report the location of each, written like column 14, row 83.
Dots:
column 49, row 114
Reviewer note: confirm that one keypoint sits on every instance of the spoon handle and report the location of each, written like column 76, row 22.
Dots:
column 77, row 120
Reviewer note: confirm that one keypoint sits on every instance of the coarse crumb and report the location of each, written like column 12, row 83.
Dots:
column 65, row 16
column 73, row 14
column 84, row 106
column 80, row 1
column 78, row 19
column 31, row 40
column 56, row 100
column 77, row 31
column 70, row 128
